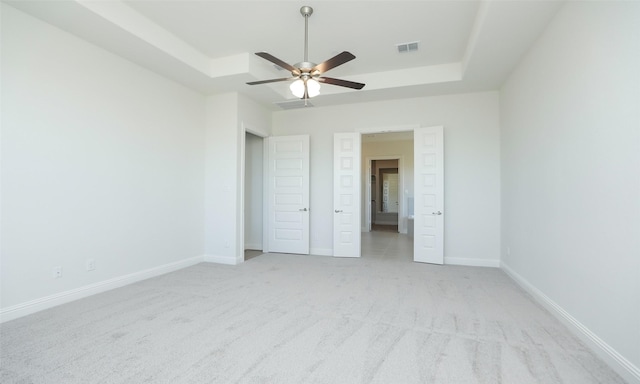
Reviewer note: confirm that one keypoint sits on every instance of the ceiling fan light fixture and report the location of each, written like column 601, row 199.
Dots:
column 313, row 87
column 297, row 88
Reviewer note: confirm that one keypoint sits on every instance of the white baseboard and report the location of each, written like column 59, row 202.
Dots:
column 229, row 260
column 33, row 306
column 472, row 262
column 616, row 361
column 321, row 251
column 386, row 222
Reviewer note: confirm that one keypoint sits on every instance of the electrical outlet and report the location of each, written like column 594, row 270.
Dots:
column 57, row 272
column 91, row 265
column 508, row 251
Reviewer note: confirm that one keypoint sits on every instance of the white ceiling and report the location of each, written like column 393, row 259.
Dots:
column 209, row 46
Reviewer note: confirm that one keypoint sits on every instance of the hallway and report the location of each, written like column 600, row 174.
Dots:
column 391, row 246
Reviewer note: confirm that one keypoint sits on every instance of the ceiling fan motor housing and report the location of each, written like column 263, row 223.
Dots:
column 306, row 68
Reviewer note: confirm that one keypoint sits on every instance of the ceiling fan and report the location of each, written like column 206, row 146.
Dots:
column 306, row 75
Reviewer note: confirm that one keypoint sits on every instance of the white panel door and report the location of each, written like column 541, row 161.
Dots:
column 346, row 194
column 428, row 241
column 288, row 194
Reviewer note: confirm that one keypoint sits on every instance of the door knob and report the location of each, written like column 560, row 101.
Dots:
column 338, row 210
column 302, row 209
column 436, row 213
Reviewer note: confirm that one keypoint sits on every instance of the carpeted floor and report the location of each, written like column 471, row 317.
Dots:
column 304, row 319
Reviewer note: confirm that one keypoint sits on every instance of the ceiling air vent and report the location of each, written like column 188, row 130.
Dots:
column 407, row 47
column 294, row 104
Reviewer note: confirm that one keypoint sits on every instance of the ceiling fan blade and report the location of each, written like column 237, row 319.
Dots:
column 342, row 83
column 271, row 81
column 333, row 62
column 278, row 62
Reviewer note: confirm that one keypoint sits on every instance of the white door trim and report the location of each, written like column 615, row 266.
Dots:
column 393, row 128
column 265, row 195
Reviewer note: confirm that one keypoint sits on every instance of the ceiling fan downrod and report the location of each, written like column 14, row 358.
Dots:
column 306, row 11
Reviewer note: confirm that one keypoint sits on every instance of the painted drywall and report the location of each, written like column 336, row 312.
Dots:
column 253, row 187
column 374, row 149
column 571, row 170
column 222, row 184
column 472, row 163
column 254, row 117
column 101, row 159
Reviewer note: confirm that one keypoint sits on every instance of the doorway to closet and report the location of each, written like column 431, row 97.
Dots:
column 253, row 195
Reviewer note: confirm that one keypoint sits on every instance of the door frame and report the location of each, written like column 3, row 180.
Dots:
column 401, row 191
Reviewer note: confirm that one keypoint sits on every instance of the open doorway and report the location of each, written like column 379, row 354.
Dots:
column 253, row 195
column 420, row 196
column 387, row 160
column 387, row 193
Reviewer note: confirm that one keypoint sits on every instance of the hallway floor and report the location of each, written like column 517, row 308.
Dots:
column 386, row 245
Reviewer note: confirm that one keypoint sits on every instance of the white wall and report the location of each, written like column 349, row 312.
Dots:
column 571, row 172
column 101, row 159
column 254, row 117
column 472, row 168
column 222, row 183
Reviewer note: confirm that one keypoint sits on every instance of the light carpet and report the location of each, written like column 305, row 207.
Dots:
column 304, row 319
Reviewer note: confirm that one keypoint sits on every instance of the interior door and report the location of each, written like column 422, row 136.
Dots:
column 288, row 194
column 428, row 241
column 346, row 194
